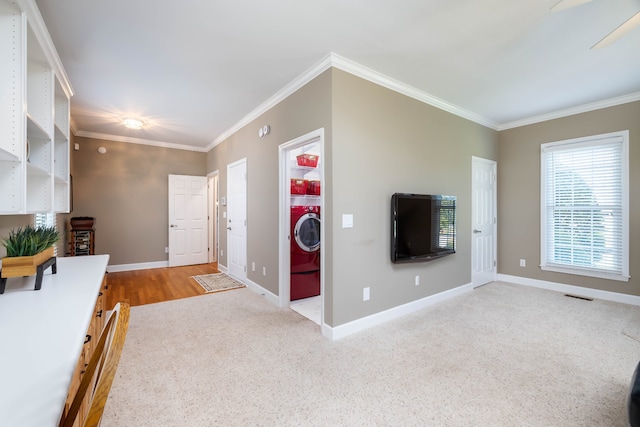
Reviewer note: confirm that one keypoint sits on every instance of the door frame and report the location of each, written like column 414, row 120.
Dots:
column 284, row 244
column 476, row 160
column 213, row 187
column 231, row 165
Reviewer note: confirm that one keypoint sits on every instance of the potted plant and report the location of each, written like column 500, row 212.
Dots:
column 29, row 241
column 28, row 248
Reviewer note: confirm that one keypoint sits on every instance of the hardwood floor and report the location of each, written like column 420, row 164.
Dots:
column 139, row 287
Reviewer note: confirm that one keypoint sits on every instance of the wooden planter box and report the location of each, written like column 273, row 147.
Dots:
column 28, row 266
column 24, row 265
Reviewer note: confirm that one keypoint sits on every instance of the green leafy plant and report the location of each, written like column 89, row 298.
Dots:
column 28, row 240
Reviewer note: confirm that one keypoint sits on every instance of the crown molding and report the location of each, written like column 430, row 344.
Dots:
column 373, row 76
column 351, row 67
column 585, row 108
column 297, row 83
column 140, row 141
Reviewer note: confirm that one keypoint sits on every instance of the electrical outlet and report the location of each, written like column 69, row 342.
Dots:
column 523, row 263
column 366, row 294
column 264, row 271
column 166, row 249
column 417, row 280
column 253, row 266
column 221, row 252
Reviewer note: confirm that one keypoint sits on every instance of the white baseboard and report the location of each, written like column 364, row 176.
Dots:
column 138, row 266
column 570, row 289
column 222, row 268
column 270, row 296
column 358, row 325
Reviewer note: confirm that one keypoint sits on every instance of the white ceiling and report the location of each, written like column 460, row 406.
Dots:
column 197, row 70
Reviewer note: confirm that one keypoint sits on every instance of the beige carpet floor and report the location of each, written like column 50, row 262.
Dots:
column 501, row 355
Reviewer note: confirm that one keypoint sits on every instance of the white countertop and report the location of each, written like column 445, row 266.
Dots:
column 41, row 337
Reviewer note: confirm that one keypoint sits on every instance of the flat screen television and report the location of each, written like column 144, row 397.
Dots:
column 423, row 227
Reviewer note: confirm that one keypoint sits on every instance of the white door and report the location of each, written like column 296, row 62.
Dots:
column 237, row 219
column 187, row 220
column 484, row 221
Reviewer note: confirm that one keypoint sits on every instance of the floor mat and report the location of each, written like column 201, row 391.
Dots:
column 217, row 282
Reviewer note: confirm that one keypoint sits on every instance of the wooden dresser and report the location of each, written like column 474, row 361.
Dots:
column 44, row 339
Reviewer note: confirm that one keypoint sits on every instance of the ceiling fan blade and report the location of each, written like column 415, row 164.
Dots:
column 616, row 34
column 566, row 4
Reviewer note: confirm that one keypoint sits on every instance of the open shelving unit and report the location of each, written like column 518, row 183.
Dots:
column 305, row 173
column 61, row 150
column 34, row 115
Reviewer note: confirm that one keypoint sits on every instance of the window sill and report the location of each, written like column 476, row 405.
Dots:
column 585, row 272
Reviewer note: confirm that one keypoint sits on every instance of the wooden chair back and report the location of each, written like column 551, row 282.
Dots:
column 102, row 366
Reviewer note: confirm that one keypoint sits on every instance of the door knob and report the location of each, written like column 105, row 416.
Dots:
column 173, row 225
column 477, row 231
column 228, row 228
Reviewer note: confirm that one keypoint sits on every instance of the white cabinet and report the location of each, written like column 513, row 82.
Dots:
column 34, row 115
column 61, row 150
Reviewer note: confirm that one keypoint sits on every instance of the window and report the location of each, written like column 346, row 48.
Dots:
column 584, row 206
column 47, row 220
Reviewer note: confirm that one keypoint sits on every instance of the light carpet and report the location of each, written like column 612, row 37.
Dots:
column 217, row 282
column 501, row 355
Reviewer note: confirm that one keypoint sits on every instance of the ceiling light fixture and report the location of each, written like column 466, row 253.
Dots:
column 133, row 123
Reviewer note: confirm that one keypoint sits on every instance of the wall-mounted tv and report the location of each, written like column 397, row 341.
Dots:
column 423, row 227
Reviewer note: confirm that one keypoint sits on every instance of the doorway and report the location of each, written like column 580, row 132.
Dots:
column 237, row 219
column 301, row 272
column 484, row 221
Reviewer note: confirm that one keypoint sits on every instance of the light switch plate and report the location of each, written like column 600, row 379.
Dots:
column 347, row 221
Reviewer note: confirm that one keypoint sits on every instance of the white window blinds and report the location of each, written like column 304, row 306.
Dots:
column 45, row 219
column 584, row 202
column 48, row 220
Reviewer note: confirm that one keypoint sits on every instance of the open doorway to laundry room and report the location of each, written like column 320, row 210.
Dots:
column 301, row 279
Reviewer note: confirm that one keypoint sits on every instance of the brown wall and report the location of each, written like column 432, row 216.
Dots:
column 377, row 142
column 306, row 110
column 383, row 143
column 519, row 192
column 126, row 191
